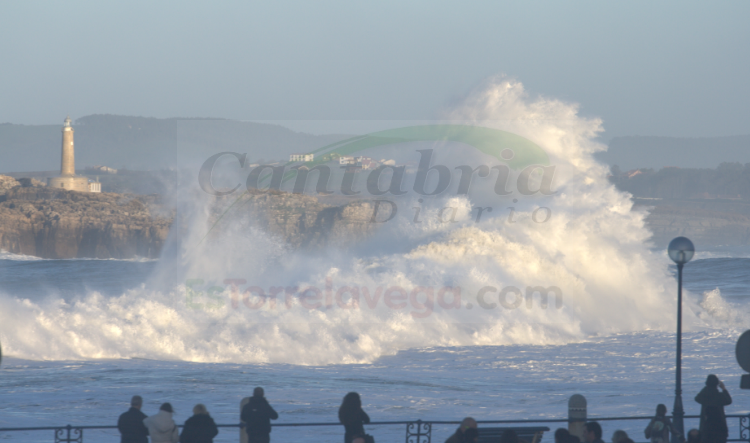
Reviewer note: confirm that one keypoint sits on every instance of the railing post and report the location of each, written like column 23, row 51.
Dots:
column 745, row 428
column 577, row 413
column 63, row 435
column 418, row 432
column 243, row 434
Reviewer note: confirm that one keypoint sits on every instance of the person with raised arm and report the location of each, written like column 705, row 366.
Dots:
column 713, row 427
column 353, row 417
column 257, row 415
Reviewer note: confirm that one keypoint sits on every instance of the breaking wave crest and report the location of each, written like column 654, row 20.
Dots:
column 410, row 285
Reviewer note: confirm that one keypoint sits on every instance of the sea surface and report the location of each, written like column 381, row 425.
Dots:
column 399, row 316
column 619, row 374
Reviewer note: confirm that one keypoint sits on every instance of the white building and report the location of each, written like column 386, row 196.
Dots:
column 95, row 186
column 104, row 169
column 301, row 157
column 345, row 160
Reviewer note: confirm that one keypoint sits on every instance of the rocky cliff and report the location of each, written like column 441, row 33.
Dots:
column 302, row 221
column 53, row 223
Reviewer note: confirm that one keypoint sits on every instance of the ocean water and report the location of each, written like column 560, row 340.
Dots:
column 620, row 374
column 426, row 320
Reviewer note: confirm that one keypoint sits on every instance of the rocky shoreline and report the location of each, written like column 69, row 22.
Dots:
column 53, row 223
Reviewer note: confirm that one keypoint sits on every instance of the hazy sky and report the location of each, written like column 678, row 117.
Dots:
column 647, row 68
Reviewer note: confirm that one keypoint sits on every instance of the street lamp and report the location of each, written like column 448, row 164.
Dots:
column 681, row 251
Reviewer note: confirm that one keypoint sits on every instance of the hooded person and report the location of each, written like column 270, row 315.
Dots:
column 257, row 415
column 713, row 427
column 161, row 427
column 659, row 428
column 200, row 428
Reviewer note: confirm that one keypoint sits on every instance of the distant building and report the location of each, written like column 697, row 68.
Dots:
column 68, row 178
column 361, row 162
column 105, row 169
column 95, row 186
column 368, row 163
column 346, row 160
column 330, row 157
column 301, row 157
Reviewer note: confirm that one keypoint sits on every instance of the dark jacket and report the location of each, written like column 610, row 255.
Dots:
column 713, row 421
column 199, row 428
column 455, row 438
column 257, row 415
column 353, row 422
column 132, row 428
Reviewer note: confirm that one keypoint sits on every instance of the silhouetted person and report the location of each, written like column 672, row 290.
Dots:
column 659, row 428
column 471, row 435
column 352, row 417
column 161, row 427
column 592, row 432
column 713, row 426
column 467, row 423
column 694, row 436
column 562, row 435
column 509, row 436
column 257, row 415
column 200, row 428
column 619, row 436
column 131, row 424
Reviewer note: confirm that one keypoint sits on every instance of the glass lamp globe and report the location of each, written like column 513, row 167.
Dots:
column 681, row 250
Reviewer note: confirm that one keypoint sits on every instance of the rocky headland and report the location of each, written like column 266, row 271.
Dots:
column 302, row 221
column 52, row 223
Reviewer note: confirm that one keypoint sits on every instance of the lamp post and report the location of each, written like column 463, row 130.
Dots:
column 681, row 251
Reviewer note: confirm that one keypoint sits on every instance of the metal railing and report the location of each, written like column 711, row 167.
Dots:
column 418, row 431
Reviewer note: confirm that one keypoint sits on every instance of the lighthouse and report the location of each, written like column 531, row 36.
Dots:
column 68, row 179
column 68, row 162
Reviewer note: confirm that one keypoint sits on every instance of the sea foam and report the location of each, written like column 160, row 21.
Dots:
column 396, row 290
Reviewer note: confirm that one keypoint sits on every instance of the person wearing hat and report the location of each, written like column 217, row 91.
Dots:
column 713, row 427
